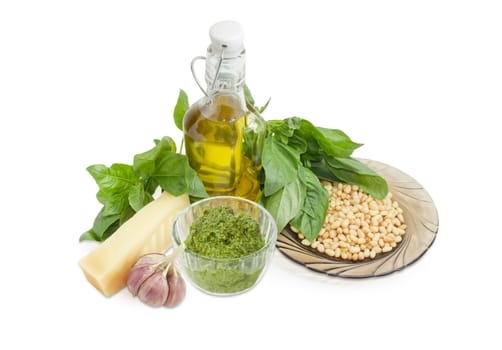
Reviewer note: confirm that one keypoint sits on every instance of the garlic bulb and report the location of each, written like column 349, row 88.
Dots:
column 156, row 282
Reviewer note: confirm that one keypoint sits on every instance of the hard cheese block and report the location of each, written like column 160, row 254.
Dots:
column 148, row 231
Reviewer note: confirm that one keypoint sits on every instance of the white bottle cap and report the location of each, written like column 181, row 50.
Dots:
column 228, row 35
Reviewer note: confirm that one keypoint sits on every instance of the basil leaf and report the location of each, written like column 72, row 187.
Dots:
column 312, row 215
column 322, row 170
column 318, row 141
column 116, row 176
column 250, row 99
column 298, row 144
column 196, row 187
column 88, row 236
column 144, row 163
column 104, row 226
column 283, row 129
column 98, row 172
column 341, row 139
column 114, row 184
column 126, row 214
column 180, row 109
column 286, row 203
column 151, row 185
column 249, row 139
column 248, row 95
column 354, row 172
column 138, row 198
column 114, row 203
column 110, row 230
column 102, row 222
column 281, row 165
column 350, row 164
column 301, row 132
column 161, row 166
column 172, row 172
column 264, row 107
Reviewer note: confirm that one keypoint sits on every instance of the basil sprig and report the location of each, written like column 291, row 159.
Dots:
column 296, row 156
column 124, row 189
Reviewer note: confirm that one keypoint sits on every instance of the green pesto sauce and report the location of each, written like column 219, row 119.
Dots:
column 219, row 233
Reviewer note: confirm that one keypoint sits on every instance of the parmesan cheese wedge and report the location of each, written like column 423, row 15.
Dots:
column 148, row 231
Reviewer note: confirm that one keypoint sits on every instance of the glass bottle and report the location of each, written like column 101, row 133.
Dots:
column 223, row 133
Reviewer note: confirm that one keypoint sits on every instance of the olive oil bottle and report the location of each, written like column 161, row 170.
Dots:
column 223, row 133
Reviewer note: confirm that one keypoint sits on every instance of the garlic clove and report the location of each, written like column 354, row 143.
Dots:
column 154, row 290
column 142, row 269
column 137, row 276
column 177, row 289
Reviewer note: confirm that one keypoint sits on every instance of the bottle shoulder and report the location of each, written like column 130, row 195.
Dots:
column 222, row 108
column 218, row 108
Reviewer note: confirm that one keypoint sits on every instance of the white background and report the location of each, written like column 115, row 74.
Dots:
column 419, row 82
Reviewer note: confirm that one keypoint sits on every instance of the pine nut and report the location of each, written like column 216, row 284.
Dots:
column 357, row 226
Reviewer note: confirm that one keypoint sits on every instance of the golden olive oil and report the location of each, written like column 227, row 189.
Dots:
column 214, row 136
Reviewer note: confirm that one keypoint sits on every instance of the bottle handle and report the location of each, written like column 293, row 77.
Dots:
column 192, row 68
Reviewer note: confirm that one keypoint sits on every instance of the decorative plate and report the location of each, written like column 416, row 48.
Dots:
column 421, row 218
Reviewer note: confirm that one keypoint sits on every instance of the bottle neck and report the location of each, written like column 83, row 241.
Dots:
column 225, row 75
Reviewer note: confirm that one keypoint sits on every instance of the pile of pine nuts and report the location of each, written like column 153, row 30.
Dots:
column 357, row 225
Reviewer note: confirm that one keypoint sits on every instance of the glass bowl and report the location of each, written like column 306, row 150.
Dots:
column 225, row 276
